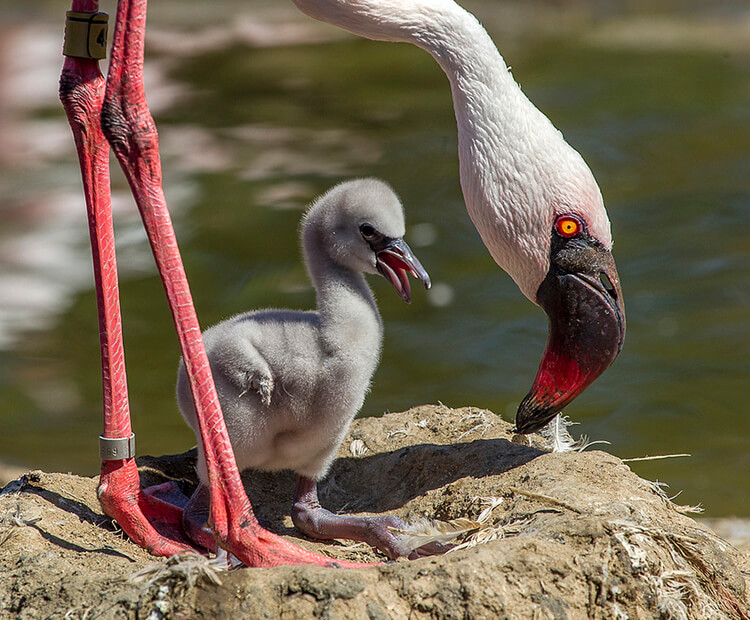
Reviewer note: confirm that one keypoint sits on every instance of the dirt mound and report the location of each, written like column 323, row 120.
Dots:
column 557, row 535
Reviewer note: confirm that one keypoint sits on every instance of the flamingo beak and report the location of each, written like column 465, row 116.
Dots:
column 395, row 260
column 582, row 298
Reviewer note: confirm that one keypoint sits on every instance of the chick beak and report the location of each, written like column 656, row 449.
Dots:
column 395, row 260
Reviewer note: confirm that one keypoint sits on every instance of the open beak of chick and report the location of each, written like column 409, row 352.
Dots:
column 582, row 298
column 395, row 261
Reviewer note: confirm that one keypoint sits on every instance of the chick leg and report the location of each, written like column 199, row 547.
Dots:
column 378, row 532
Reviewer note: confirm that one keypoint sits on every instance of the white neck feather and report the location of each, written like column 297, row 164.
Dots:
column 517, row 171
column 350, row 321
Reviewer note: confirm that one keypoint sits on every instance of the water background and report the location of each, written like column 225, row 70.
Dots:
column 259, row 115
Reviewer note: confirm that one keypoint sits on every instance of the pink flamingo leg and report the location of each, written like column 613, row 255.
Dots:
column 82, row 93
column 130, row 129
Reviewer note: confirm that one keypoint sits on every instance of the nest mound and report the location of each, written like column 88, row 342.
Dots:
column 549, row 535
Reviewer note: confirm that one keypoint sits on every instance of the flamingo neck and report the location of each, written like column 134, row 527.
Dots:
column 349, row 316
column 517, row 171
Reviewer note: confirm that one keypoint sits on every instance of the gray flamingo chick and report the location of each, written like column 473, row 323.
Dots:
column 290, row 382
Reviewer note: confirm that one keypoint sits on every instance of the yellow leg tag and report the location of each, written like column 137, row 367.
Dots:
column 85, row 35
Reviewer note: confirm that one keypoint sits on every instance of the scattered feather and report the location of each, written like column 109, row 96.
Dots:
column 481, row 537
column 474, row 531
column 671, row 589
column 692, row 590
column 490, row 504
column 557, row 436
column 658, row 488
column 426, row 531
column 488, row 533
column 399, row 431
column 559, row 439
column 16, row 518
column 688, row 509
column 583, row 443
column 357, row 447
column 186, row 568
column 483, row 425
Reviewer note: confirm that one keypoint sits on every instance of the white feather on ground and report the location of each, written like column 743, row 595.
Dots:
column 425, row 531
column 559, row 439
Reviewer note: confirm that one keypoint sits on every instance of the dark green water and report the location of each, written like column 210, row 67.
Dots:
column 256, row 133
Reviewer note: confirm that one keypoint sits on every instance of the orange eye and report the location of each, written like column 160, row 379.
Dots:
column 568, row 226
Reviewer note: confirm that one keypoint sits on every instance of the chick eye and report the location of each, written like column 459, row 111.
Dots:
column 368, row 232
column 568, row 226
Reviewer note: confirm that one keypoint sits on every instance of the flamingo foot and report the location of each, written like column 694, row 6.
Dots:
column 195, row 519
column 167, row 492
column 245, row 539
column 164, row 522
column 258, row 547
column 149, row 521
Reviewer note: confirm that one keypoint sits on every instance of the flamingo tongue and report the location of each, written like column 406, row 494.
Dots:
column 395, row 261
column 396, row 272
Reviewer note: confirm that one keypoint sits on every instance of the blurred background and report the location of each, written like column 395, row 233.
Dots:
column 260, row 109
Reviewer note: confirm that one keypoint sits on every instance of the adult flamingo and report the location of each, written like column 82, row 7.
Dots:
column 532, row 198
column 530, row 195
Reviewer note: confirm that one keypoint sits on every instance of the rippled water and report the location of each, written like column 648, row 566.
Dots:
column 251, row 134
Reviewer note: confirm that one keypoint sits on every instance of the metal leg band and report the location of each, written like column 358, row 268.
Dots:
column 85, row 35
column 116, row 449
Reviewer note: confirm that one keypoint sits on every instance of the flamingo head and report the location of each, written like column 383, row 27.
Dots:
column 563, row 262
column 582, row 298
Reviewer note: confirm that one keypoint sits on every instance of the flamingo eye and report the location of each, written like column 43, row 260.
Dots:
column 368, row 232
column 568, row 226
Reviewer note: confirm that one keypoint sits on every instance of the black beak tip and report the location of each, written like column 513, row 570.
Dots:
column 532, row 417
column 527, row 428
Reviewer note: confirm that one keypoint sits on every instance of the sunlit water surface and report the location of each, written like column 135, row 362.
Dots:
column 251, row 135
